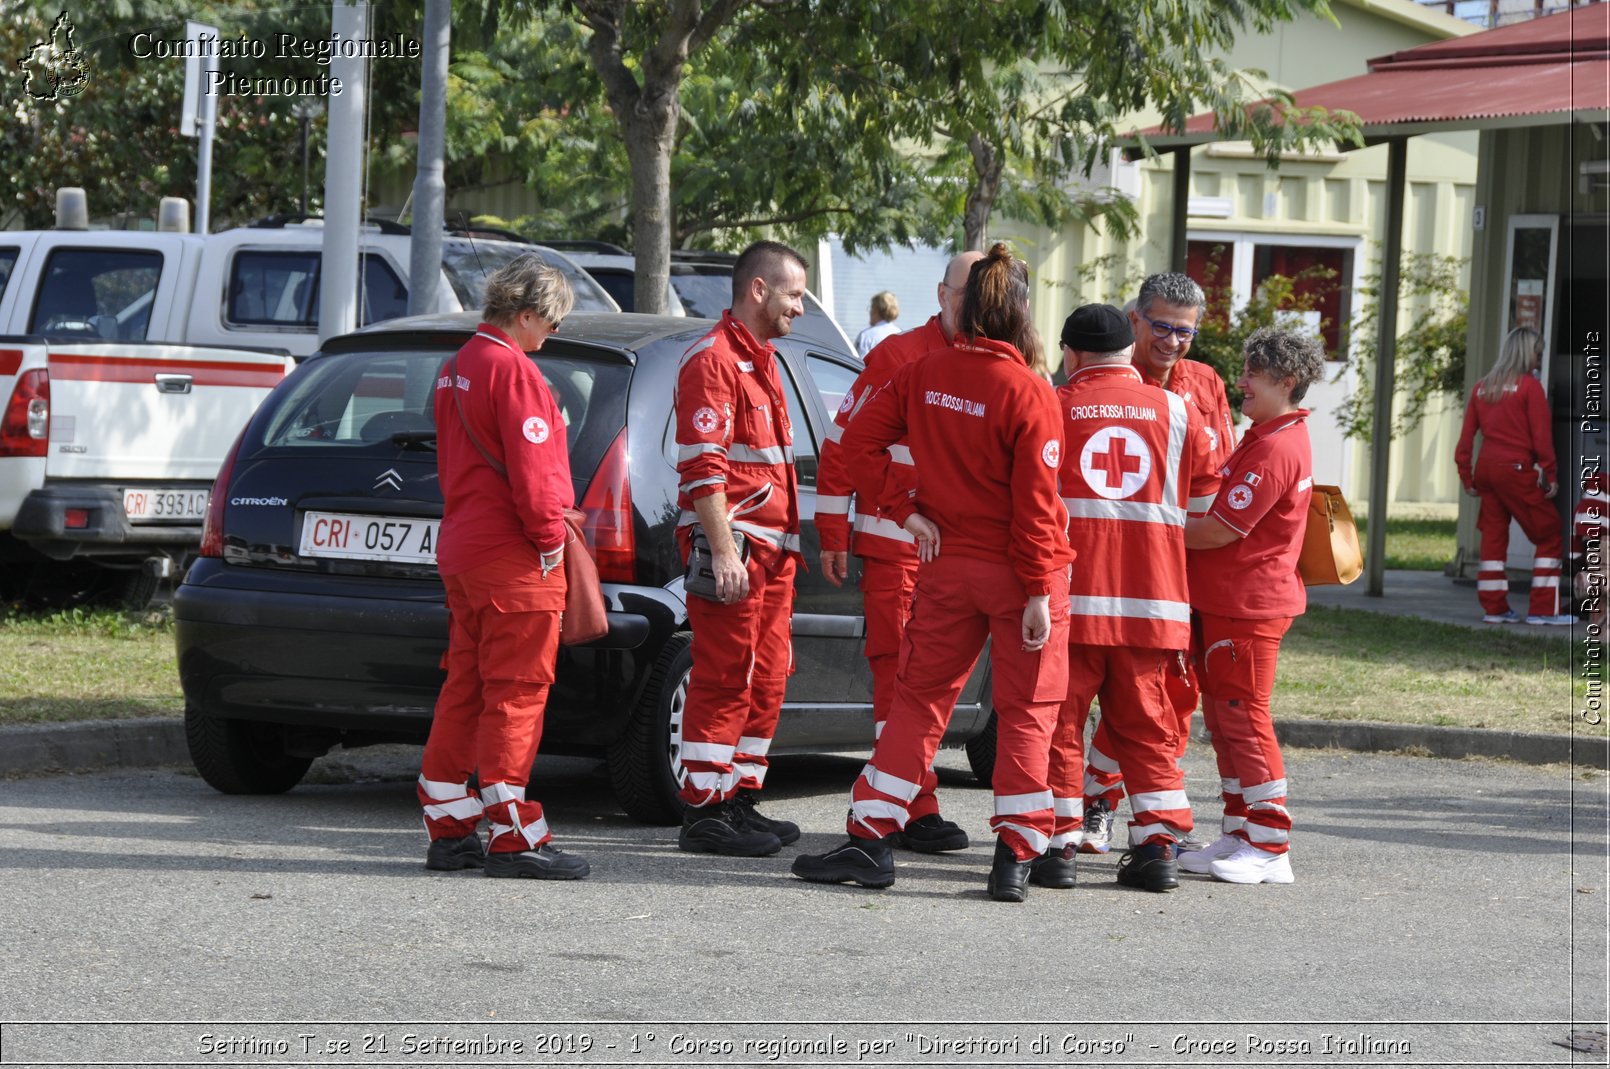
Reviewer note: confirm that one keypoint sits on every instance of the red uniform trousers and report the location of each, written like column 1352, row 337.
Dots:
column 1238, row 677
column 1139, row 724
column 960, row 602
column 502, row 644
column 1104, row 775
column 1507, row 489
column 886, row 590
column 742, row 658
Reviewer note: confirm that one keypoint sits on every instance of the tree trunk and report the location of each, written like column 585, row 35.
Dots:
column 988, row 164
column 650, row 135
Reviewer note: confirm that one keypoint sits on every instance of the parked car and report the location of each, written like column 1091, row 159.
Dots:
column 315, row 616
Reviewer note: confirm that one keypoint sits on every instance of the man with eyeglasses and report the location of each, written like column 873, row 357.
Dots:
column 1166, row 315
column 888, row 552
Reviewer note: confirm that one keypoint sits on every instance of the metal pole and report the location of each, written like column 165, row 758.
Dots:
column 306, row 121
column 430, row 186
column 343, row 174
column 1386, row 346
column 1177, row 248
column 209, row 119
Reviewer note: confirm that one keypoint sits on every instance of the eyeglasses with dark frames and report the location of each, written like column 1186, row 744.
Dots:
column 1163, row 330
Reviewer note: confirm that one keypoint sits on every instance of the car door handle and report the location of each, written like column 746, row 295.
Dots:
column 170, row 383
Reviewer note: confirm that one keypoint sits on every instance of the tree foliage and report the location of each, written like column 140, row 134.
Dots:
column 1430, row 360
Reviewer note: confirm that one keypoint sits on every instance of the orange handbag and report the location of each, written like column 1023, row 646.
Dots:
column 585, row 617
column 1330, row 553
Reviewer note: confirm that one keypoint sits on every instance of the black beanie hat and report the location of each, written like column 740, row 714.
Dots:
column 1097, row 328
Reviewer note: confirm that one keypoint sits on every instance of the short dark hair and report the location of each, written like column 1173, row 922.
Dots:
column 762, row 260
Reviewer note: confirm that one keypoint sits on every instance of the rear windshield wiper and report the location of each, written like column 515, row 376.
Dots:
column 415, row 440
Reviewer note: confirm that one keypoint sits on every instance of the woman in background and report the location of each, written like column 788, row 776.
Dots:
column 1516, row 478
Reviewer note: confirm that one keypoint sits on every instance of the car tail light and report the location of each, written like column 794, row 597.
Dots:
column 212, row 528
column 608, row 525
column 25, row 426
column 75, row 519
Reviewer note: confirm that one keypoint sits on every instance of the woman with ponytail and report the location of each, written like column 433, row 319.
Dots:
column 1516, row 477
column 984, row 432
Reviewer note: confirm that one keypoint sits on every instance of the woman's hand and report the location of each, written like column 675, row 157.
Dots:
column 1553, row 488
column 926, row 533
column 1036, row 622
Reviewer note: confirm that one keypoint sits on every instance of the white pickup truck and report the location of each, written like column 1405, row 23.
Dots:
column 129, row 361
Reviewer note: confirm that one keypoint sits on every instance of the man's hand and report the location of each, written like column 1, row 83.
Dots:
column 1553, row 488
column 926, row 533
column 836, row 566
column 1471, row 491
column 732, row 575
column 1036, row 623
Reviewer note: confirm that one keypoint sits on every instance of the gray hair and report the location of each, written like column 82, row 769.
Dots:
column 1171, row 287
column 527, row 283
column 1285, row 354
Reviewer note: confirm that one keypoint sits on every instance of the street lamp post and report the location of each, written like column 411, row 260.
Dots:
column 306, row 110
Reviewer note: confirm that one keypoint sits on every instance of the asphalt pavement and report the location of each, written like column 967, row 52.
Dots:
column 1445, row 912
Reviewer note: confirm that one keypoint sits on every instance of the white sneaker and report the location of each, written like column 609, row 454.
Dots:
column 1199, row 860
column 1563, row 620
column 1252, row 865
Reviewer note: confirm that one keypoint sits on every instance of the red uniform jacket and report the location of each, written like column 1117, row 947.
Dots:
column 1134, row 458
column 986, row 439
column 733, row 436
column 876, row 535
column 1263, row 498
column 1201, row 386
column 507, row 404
column 1515, row 429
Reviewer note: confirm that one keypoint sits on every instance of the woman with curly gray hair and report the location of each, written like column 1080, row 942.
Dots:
column 1245, row 592
column 504, row 467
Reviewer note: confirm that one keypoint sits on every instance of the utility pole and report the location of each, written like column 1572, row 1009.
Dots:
column 430, row 186
column 343, row 173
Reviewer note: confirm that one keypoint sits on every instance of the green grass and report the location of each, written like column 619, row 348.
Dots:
column 1347, row 664
column 1416, row 541
column 80, row 665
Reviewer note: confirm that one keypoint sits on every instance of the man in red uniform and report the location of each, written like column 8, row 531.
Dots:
column 735, row 458
column 1165, row 318
column 504, row 469
column 888, row 552
column 1133, row 457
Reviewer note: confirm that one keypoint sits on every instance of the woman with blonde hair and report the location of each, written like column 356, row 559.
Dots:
column 1516, row 478
column 991, row 532
column 504, row 466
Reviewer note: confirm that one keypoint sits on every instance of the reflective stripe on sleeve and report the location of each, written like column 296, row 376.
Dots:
column 832, row 504
column 875, row 525
column 739, row 453
column 900, row 454
column 685, row 453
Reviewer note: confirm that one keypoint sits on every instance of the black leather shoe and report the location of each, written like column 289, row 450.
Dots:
column 1008, row 877
column 868, row 862
column 1055, row 868
column 785, row 830
column 932, row 834
column 546, row 862
column 448, row 855
column 1152, row 866
column 724, row 829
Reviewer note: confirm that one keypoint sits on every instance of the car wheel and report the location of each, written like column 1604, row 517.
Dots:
column 981, row 753
column 241, row 756
column 50, row 586
column 645, row 764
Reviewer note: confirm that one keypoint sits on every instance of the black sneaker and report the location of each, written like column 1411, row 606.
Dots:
column 546, row 862
column 1098, row 828
column 932, row 834
column 1151, row 866
column 724, row 829
column 1008, row 877
column 868, row 862
column 1055, row 868
column 785, row 830
column 449, row 855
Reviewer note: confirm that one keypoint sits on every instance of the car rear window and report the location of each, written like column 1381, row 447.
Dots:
column 8, row 260
column 358, row 401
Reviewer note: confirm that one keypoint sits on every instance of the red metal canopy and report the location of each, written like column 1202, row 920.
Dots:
column 1554, row 68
